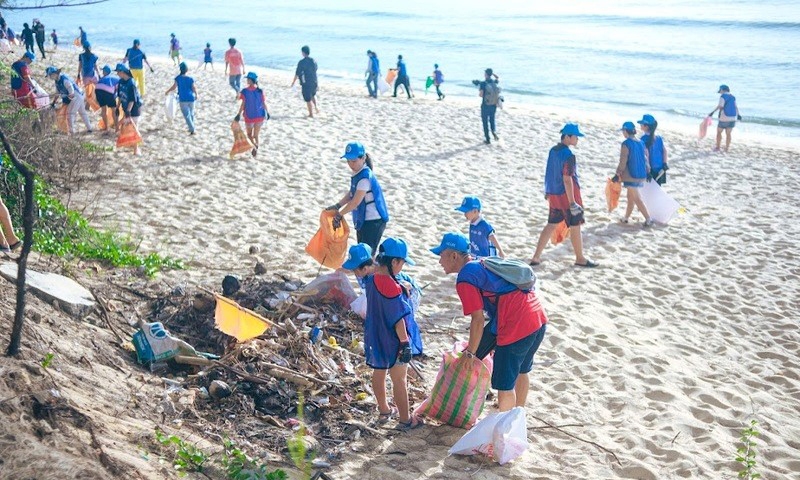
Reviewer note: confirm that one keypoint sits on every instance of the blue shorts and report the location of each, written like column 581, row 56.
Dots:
column 633, row 184
column 722, row 124
column 512, row 360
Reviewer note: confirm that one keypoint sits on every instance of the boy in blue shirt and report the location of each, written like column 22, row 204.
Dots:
column 482, row 239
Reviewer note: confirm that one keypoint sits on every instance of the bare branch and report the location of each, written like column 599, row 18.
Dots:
column 43, row 5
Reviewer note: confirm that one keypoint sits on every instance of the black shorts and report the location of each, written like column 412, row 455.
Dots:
column 105, row 99
column 558, row 215
column 309, row 90
column 370, row 233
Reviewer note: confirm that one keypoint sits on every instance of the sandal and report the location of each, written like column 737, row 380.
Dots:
column 14, row 246
column 411, row 424
column 588, row 264
column 534, row 263
column 383, row 417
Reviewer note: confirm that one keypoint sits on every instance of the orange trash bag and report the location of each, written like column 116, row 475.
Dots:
column 241, row 144
column 560, row 233
column 128, row 135
column 101, row 124
column 329, row 245
column 77, row 41
column 61, row 119
column 613, row 190
column 91, row 100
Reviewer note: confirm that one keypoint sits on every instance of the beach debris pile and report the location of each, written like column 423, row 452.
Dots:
column 310, row 354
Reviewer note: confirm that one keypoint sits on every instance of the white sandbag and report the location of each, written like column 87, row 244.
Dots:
column 501, row 435
column 41, row 97
column 171, row 107
column 383, row 87
column 660, row 205
column 359, row 305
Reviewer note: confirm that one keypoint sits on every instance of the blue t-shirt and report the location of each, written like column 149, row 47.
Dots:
column 479, row 244
column 637, row 163
column 375, row 65
column 438, row 77
column 401, row 68
column 88, row 62
column 656, row 151
column 185, row 84
column 207, row 55
column 136, row 58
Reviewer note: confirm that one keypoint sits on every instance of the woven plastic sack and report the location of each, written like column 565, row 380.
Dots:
column 91, row 99
column 560, row 233
column 329, row 245
column 460, row 390
column 613, row 191
column 128, row 135
column 61, row 119
column 241, row 144
column 503, row 436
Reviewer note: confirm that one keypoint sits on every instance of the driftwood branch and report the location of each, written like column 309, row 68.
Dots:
column 550, row 425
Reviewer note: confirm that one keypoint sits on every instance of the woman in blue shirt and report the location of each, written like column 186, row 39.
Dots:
column 87, row 65
column 656, row 149
column 633, row 170
column 254, row 107
column 187, row 94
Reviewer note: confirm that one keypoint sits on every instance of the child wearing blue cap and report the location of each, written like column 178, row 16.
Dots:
column 106, row 94
column 482, row 239
column 562, row 191
column 391, row 334
column 633, row 170
column 365, row 197
column 656, row 150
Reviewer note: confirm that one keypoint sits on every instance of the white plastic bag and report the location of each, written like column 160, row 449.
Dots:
column 383, row 87
column 171, row 107
column 501, row 435
column 660, row 206
column 359, row 305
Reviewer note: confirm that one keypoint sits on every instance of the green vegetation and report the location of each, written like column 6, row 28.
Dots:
column 746, row 454
column 188, row 458
column 66, row 233
column 297, row 444
column 47, row 360
column 238, row 466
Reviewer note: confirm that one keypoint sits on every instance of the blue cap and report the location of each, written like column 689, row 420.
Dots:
column 452, row 241
column 647, row 119
column 30, row 55
column 121, row 68
column 571, row 129
column 106, row 69
column 252, row 76
column 395, row 248
column 50, row 70
column 628, row 126
column 136, row 41
column 469, row 203
column 357, row 255
column 724, row 88
column 353, row 150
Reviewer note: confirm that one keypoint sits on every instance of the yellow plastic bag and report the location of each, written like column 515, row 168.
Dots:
column 329, row 245
column 560, row 234
column 241, row 144
column 237, row 321
column 613, row 190
column 128, row 135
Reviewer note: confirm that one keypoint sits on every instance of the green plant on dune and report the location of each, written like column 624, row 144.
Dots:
column 746, row 454
column 239, row 466
column 187, row 458
column 297, row 444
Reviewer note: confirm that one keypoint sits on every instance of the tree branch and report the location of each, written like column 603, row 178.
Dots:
column 62, row 3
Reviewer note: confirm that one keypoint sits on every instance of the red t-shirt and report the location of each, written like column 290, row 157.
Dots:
column 560, row 202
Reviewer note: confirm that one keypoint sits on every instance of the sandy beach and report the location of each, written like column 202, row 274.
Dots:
column 662, row 356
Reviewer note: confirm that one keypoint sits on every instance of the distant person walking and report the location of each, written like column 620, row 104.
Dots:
column 136, row 59
column 234, row 66
column 27, row 37
column 174, row 49
column 438, row 80
column 306, row 72
column 38, row 31
column 207, row 60
column 130, row 100
column 87, row 66
column 54, row 38
column 21, row 83
column 563, row 194
column 489, row 91
column 71, row 96
column 254, row 107
column 728, row 114
column 187, row 94
column 656, row 149
column 633, row 170
column 106, row 94
column 372, row 73
column 402, row 77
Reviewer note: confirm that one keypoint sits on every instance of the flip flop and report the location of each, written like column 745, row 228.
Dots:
column 534, row 263
column 383, row 417
column 588, row 264
column 15, row 246
column 414, row 422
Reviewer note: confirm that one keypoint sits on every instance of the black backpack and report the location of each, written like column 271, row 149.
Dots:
column 16, row 77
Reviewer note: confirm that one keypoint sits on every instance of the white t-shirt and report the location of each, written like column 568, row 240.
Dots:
column 364, row 186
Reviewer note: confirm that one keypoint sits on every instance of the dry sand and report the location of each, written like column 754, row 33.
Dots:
column 663, row 354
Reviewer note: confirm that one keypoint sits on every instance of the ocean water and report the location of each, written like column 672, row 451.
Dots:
column 615, row 59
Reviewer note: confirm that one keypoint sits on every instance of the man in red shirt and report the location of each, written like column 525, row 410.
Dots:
column 517, row 321
column 21, row 84
column 234, row 66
